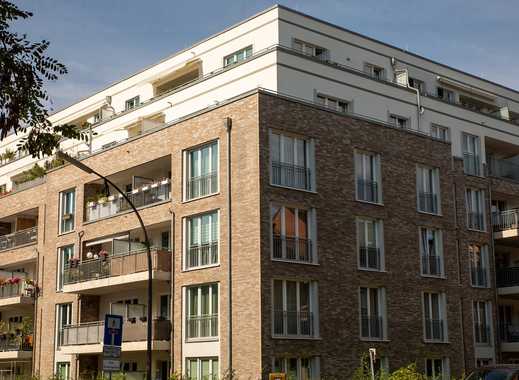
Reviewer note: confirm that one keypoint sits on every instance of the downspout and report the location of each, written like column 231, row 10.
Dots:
column 419, row 109
column 228, row 125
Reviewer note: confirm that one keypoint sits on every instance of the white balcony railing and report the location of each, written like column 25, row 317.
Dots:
column 19, row 238
column 505, row 220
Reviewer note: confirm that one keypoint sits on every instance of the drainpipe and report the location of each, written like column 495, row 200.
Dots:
column 228, row 125
column 419, row 109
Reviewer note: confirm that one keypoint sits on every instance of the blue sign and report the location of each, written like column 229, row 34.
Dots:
column 113, row 335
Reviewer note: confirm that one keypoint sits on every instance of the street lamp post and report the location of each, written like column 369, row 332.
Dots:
column 89, row 170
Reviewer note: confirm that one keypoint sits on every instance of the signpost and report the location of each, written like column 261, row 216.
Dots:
column 112, row 340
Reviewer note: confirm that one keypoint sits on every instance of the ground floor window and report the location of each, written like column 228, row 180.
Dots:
column 437, row 369
column 483, row 362
column 63, row 370
column 297, row 368
column 202, row 369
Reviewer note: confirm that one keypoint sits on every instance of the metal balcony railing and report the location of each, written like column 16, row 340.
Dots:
column 434, row 329
column 471, row 164
column 476, row 220
column 203, row 254
column 478, row 276
column 202, row 185
column 428, row 202
column 143, row 196
column 502, row 168
column 202, row 326
column 293, row 323
column 290, row 175
column 16, row 290
column 19, row 238
column 369, row 258
column 367, row 190
column 292, row 248
column 21, row 343
column 116, row 265
column 372, row 327
column 482, row 333
column 431, row 265
column 507, row 277
column 506, row 220
column 92, row 332
column 509, row 333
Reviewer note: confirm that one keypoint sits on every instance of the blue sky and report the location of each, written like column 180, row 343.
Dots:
column 101, row 41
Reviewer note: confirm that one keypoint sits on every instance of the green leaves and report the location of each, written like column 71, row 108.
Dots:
column 24, row 67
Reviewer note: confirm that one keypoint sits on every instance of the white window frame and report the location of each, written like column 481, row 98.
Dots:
column 199, row 310
column 442, row 313
column 199, row 367
column 382, row 308
column 187, row 233
column 66, row 365
column 64, row 205
column 235, row 56
column 314, row 366
column 313, row 289
column 440, row 132
column 471, row 146
column 309, row 159
column 333, row 103
column 362, row 224
column 311, row 233
column 487, row 318
column 445, row 370
column 485, row 264
column 187, row 168
column 428, row 175
column 369, row 69
column 475, row 203
column 448, row 95
column 398, row 121
column 310, row 49
column 132, row 103
column 437, row 235
column 59, row 317
column 363, row 160
column 61, row 265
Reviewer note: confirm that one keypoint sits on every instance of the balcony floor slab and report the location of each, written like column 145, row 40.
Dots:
column 85, row 349
column 10, row 355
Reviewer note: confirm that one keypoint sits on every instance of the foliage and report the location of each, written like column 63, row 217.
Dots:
column 28, row 175
column 363, row 372
column 407, row 373
column 24, row 68
column 8, row 155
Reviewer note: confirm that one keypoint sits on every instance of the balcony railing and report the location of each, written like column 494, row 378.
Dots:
column 471, row 164
column 478, row 276
column 476, row 220
column 372, row 327
column 367, row 190
column 369, row 258
column 202, row 185
column 19, row 238
column 434, row 329
column 506, row 220
column 143, row 196
column 428, row 202
column 509, row 333
column 431, row 265
column 92, row 332
column 22, row 343
column 482, row 333
column 507, row 277
column 202, row 326
column 116, row 265
column 290, row 175
column 502, row 168
column 16, row 290
column 203, row 254
column 293, row 323
column 292, row 248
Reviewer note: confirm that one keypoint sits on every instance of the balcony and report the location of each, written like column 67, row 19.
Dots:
column 101, row 275
column 372, row 327
column 156, row 192
column 506, row 224
column 19, row 347
column 507, row 280
column 292, row 249
column 509, row 338
column 87, row 338
column 434, row 330
column 202, row 327
column 19, row 239
column 290, row 175
column 293, row 323
column 431, row 265
column 17, row 291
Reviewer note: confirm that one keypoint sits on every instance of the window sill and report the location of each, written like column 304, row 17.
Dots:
column 294, row 188
column 476, row 230
column 66, row 233
column 438, row 277
column 480, row 286
column 431, row 341
column 429, row 213
column 293, row 261
column 194, row 269
column 200, row 340
column 380, row 340
column 296, row 337
column 369, row 202
column 202, row 197
column 371, row 270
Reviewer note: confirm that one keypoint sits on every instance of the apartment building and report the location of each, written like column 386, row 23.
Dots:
column 309, row 193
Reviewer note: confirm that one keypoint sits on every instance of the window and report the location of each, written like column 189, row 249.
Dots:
column 129, row 366
column 292, row 161
column 202, row 240
column 63, row 370
column 202, row 312
column 479, row 264
column 439, row 132
column 165, row 240
column 475, row 209
column 292, row 234
column 3, row 188
column 399, row 121
column 202, row 368
column 428, row 189
column 445, row 94
column 471, row 159
column 368, row 177
column 437, row 369
column 64, row 256
column 132, row 103
column 372, row 313
column 238, row 56
column 165, row 306
column 297, row 368
column 482, row 315
column 375, row 72
column 431, row 251
column 202, row 171
column 67, row 210
column 435, row 317
column 295, row 308
column 370, row 244
column 63, row 318
column 418, row 84
column 333, row 103
column 311, row 50
column 98, row 116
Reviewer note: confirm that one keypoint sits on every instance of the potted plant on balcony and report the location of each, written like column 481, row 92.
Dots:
column 74, row 262
column 103, row 254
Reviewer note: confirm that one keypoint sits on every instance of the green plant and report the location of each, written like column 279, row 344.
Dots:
column 8, row 155
column 407, row 373
column 28, row 175
column 176, row 376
